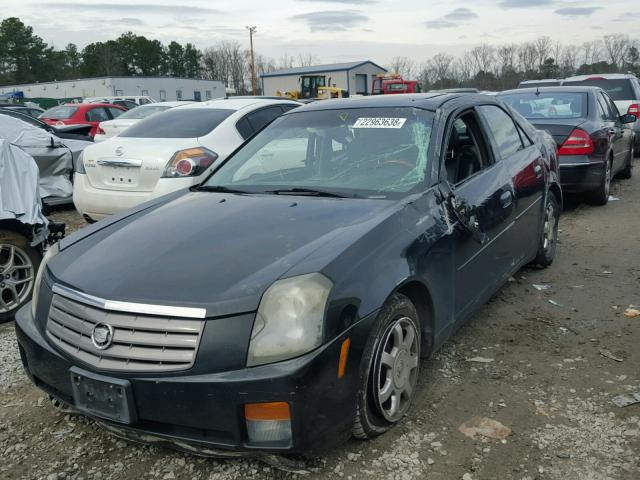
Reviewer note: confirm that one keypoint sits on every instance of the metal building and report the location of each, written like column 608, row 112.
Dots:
column 160, row 88
column 356, row 77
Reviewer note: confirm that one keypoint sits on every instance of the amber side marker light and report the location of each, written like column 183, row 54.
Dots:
column 268, row 423
column 344, row 354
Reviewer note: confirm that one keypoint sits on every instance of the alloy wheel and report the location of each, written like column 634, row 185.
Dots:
column 396, row 372
column 16, row 277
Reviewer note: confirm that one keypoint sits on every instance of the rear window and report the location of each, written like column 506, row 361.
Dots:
column 60, row 113
column 144, row 112
column 178, row 123
column 548, row 105
column 617, row 89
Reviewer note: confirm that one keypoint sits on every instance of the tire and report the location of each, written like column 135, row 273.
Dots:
column 19, row 264
column 548, row 239
column 625, row 173
column 600, row 196
column 387, row 366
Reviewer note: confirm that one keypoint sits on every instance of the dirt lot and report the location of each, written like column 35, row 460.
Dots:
column 551, row 372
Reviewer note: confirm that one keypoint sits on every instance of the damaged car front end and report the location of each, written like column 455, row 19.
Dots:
column 284, row 304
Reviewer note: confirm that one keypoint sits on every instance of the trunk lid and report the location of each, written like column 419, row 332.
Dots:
column 115, row 127
column 559, row 129
column 131, row 164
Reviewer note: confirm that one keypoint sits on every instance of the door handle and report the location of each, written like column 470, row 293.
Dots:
column 506, row 199
column 537, row 169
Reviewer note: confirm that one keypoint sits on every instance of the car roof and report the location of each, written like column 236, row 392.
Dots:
column 166, row 104
column 88, row 105
column 427, row 101
column 600, row 76
column 238, row 103
column 567, row 89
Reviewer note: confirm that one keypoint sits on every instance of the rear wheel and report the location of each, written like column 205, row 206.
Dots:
column 18, row 266
column 625, row 173
column 600, row 196
column 549, row 237
column 389, row 370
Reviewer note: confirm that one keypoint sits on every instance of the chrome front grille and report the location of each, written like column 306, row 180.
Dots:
column 140, row 343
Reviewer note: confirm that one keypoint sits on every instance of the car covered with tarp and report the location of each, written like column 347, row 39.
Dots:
column 53, row 156
column 24, row 230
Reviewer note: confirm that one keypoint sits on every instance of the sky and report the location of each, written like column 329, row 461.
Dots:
column 332, row 30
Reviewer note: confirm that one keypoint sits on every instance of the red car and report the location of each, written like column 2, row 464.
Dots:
column 82, row 113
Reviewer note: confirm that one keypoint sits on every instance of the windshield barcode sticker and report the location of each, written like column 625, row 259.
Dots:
column 379, row 123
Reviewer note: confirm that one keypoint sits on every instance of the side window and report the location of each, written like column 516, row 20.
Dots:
column 603, row 111
column 466, row 150
column 608, row 113
column 244, row 128
column 503, row 130
column 261, row 118
column 115, row 112
column 287, row 106
column 97, row 115
column 612, row 106
column 523, row 135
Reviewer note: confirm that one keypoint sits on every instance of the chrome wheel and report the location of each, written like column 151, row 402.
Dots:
column 16, row 277
column 549, row 231
column 396, row 371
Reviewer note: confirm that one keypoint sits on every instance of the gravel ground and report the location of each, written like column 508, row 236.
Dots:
column 547, row 375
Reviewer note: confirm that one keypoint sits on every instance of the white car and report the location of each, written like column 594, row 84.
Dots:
column 166, row 152
column 111, row 128
column 624, row 90
column 139, row 99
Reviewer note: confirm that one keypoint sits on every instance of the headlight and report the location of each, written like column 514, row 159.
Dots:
column 79, row 165
column 52, row 252
column 290, row 319
column 189, row 163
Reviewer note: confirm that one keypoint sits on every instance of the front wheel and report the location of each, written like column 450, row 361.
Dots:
column 18, row 266
column 389, row 371
column 549, row 237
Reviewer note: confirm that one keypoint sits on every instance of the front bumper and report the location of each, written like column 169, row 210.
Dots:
column 580, row 174
column 206, row 410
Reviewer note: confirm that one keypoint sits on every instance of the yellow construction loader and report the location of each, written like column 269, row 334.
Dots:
column 315, row 87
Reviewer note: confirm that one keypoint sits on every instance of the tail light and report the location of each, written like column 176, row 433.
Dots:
column 634, row 109
column 100, row 131
column 577, row 143
column 190, row 162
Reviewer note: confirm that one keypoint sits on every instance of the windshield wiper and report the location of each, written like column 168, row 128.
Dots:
column 218, row 188
column 306, row 191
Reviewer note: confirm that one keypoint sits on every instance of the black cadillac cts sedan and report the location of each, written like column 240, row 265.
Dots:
column 284, row 303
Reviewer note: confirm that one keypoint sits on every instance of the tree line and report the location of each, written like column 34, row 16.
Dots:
column 26, row 58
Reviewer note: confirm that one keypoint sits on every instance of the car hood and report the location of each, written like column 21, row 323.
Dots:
column 211, row 250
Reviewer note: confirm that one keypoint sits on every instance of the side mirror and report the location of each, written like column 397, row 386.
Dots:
column 55, row 143
column 628, row 118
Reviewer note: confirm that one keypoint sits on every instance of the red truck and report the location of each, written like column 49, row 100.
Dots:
column 388, row 84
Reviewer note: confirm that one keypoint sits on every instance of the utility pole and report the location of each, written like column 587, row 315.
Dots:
column 252, row 30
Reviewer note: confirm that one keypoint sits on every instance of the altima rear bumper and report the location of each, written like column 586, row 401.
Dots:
column 579, row 174
column 98, row 203
column 207, row 410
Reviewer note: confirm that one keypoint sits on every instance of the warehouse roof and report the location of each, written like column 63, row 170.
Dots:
column 330, row 67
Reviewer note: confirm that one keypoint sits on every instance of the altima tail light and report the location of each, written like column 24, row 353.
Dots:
column 577, row 143
column 634, row 109
column 190, row 162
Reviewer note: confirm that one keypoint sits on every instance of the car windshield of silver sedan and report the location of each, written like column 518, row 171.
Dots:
column 365, row 152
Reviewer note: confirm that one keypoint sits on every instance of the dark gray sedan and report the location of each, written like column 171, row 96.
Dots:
column 595, row 142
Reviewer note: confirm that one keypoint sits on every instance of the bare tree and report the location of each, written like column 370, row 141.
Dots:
column 527, row 57
column 405, row 66
column 442, row 66
column 568, row 61
column 483, row 58
column 286, row 61
column 506, row 56
column 307, row 59
column 543, row 49
column 590, row 52
column 616, row 47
